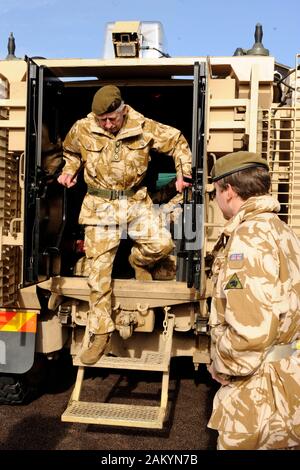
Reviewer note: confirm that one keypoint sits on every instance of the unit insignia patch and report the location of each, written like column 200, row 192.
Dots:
column 234, row 283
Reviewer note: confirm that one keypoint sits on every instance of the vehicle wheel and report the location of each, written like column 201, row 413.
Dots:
column 17, row 389
column 13, row 390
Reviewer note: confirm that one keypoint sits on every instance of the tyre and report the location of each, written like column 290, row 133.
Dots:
column 13, row 390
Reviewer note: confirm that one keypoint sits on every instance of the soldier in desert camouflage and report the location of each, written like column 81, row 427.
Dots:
column 255, row 317
column 113, row 143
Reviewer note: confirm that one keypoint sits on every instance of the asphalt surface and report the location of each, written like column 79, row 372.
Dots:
column 37, row 425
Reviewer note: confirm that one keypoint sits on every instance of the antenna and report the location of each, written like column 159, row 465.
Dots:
column 11, row 47
column 258, row 48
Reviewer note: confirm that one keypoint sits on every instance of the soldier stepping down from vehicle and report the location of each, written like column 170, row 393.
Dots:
column 255, row 312
column 113, row 143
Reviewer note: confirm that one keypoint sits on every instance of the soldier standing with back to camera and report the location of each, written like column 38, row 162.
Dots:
column 114, row 142
column 255, row 315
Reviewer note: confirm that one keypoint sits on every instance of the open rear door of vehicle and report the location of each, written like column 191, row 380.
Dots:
column 37, row 253
column 21, row 191
column 17, row 326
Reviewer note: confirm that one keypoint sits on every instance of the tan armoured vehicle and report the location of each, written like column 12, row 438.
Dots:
column 221, row 104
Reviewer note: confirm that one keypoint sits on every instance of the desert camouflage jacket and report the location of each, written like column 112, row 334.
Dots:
column 120, row 161
column 256, row 304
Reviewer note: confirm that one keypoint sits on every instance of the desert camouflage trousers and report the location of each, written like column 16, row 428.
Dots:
column 261, row 411
column 234, row 441
column 152, row 242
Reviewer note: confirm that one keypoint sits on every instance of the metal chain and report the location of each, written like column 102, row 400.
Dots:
column 165, row 322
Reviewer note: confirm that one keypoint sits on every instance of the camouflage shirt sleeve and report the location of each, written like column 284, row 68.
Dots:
column 71, row 150
column 168, row 140
column 250, row 295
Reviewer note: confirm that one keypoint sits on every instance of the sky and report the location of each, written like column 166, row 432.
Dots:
column 76, row 28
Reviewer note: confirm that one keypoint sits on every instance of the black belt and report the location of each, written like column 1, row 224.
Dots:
column 111, row 194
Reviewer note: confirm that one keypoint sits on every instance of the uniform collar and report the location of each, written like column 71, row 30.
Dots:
column 253, row 206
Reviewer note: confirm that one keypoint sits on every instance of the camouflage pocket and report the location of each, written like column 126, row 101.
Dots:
column 229, row 399
column 137, row 144
column 92, row 153
column 138, row 153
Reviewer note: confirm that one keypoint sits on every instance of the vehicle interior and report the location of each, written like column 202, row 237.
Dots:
column 64, row 102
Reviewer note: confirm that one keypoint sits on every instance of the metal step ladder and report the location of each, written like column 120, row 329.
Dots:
column 120, row 414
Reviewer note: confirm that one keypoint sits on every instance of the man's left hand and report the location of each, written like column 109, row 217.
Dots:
column 181, row 184
column 211, row 369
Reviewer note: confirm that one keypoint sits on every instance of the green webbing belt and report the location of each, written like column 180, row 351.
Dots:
column 111, row 193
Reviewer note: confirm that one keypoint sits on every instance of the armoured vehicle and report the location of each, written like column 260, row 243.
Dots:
column 221, row 104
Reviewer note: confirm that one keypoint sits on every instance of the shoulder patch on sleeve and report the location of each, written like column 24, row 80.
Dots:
column 234, row 283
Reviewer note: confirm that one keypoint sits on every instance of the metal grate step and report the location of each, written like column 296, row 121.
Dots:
column 155, row 361
column 125, row 415
column 114, row 414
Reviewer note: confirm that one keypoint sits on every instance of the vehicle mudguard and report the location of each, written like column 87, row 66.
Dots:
column 17, row 340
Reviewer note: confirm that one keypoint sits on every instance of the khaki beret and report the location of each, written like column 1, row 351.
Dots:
column 106, row 100
column 236, row 161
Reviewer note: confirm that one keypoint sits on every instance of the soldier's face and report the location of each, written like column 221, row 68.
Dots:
column 111, row 122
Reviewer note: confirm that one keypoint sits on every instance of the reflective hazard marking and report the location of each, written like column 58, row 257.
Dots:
column 24, row 321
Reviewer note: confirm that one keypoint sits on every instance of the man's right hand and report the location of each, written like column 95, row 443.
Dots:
column 67, row 180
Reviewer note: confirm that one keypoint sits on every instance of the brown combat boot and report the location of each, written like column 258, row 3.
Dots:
column 141, row 273
column 96, row 349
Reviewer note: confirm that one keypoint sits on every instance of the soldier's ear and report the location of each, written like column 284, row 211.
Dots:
column 125, row 110
column 230, row 191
